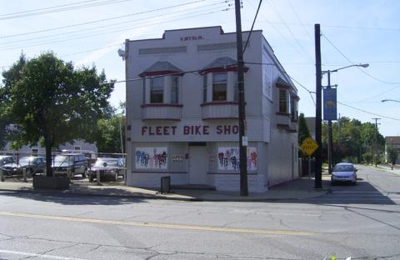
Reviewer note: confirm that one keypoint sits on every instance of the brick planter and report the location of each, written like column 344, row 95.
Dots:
column 58, row 183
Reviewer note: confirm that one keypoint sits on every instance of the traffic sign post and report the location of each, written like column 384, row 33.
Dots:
column 309, row 146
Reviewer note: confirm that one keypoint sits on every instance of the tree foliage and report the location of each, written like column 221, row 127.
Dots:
column 111, row 132
column 392, row 155
column 353, row 140
column 304, row 132
column 52, row 102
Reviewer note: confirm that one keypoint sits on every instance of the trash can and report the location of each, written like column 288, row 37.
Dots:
column 165, row 184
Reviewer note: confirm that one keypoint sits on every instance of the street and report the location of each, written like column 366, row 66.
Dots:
column 360, row 221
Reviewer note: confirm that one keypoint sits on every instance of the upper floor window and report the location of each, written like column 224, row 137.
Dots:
column 294, row 111
column 205, row 88
column 283, row 101
column 220, row 81
column 157, row 90
column 284, row 97
column 161, row 83
column 174, row 89
column 220, row 86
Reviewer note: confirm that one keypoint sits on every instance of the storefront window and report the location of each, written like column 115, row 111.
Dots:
column 151, row 158
column 229, row 158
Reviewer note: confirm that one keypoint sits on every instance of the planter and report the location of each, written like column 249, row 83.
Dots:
column 42, row 182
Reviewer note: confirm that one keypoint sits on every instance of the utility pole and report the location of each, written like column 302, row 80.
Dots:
column 318, row 117
column 374, row 149
column 242, row 113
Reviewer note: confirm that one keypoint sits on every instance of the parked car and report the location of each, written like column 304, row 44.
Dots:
column 8, row 165
column 109, row 169
column 344, row 172
column 70, row 164
column 32, row 165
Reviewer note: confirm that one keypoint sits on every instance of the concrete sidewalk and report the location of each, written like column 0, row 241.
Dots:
column 297, row 189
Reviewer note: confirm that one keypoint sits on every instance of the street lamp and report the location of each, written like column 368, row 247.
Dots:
column 385, row 100
column 330, row 141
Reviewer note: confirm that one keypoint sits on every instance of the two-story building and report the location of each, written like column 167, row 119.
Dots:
column 182, row 111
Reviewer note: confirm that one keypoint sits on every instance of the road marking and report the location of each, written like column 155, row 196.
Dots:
column 161, row 225
column 38, row 255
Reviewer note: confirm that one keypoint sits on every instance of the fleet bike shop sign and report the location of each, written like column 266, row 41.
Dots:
column 189, row 130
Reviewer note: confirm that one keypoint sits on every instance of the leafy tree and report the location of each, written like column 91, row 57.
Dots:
column 304, row 132
column 111, row 135
column 52, row 102
column 352, row 140
column 392, row 155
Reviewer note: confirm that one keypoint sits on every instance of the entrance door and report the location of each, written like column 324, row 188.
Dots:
column 198, row 164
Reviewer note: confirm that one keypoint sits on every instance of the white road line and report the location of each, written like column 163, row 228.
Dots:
column 38, row 255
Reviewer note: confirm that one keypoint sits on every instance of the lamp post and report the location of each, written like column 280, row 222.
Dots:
column 392, row 100
column 330, row 141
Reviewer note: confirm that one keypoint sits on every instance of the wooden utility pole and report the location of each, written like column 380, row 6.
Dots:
column 318, row 116
column 242, row 113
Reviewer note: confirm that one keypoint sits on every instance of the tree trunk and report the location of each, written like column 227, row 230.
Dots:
column 49, row 159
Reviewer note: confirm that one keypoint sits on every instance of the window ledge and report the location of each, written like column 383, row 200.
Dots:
column 162, row 111
column 219, row 110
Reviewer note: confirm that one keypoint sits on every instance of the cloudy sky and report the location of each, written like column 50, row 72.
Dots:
column 89, row 32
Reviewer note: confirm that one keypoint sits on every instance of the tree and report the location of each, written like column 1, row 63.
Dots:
column 392, row 155
column 304, row 132
column 111, row 135
column 352, row 140
column 53, row 103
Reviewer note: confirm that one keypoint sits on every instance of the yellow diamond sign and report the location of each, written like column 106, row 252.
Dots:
column 309, row 146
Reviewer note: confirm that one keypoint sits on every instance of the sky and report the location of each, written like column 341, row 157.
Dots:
column 90, row 32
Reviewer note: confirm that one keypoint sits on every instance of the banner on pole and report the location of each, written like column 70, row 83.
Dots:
column 330, row 104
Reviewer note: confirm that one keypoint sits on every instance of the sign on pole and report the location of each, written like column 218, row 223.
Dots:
column 309, row 146
column 330, row 104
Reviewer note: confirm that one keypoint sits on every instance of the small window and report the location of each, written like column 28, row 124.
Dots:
column 157, row 90
column 219, row 86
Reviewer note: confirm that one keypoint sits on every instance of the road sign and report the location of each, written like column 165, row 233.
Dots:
column 309, row 146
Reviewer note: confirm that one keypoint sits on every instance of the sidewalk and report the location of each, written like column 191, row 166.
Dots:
column 297, row 189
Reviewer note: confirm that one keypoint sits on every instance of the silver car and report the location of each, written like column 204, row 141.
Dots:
column 344, row 172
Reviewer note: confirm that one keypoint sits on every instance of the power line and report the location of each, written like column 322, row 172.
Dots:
column 368, row 112
column 252, row 26
column 59, row 8
column 104, row 30
column 363, row 71
column 99, row 21
column 290, row 31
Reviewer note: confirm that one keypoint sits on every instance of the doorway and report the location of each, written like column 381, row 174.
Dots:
column 198, row 164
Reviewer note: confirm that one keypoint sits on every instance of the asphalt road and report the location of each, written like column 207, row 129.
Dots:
column 359, row 221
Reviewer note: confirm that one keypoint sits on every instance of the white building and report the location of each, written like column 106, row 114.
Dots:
column 182, row 111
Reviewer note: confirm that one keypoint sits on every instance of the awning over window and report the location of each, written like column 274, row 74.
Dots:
column 223, row 64
column 161, row 68
column 281, row 83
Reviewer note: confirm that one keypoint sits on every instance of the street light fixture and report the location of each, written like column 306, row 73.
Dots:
column 385, row 100
column 330, row 141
